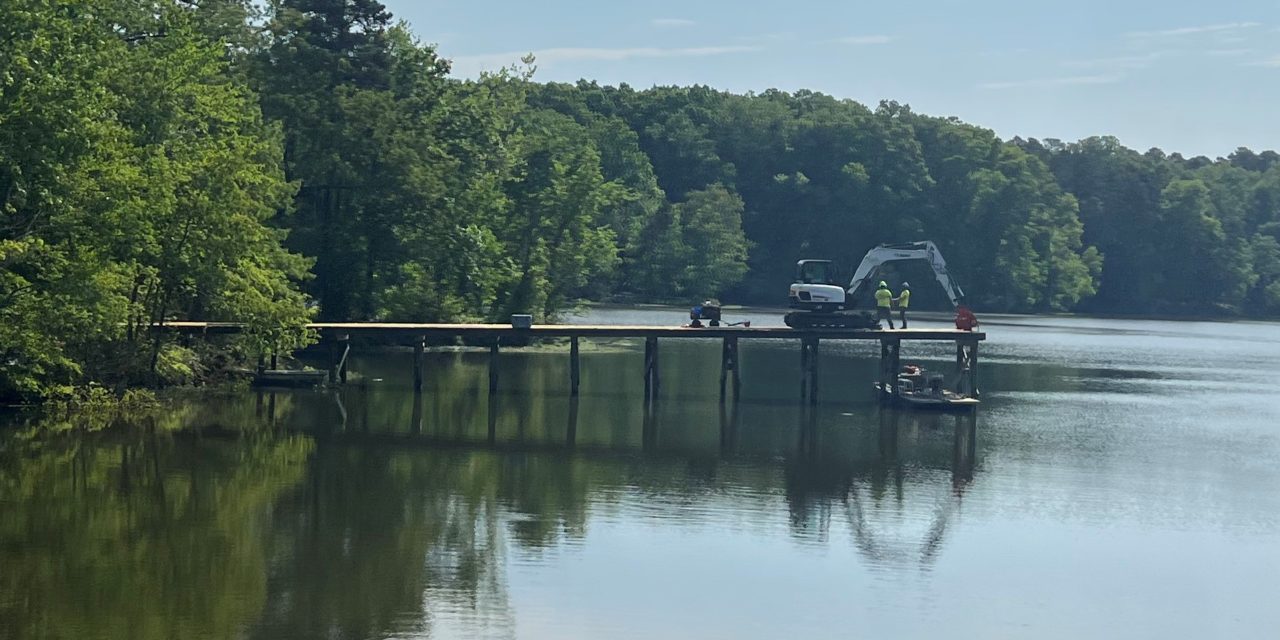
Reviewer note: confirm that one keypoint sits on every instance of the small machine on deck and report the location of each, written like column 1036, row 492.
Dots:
column 709, row 310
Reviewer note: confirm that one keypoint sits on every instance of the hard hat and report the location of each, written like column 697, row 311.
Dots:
column 906, row 285
column 883, row 285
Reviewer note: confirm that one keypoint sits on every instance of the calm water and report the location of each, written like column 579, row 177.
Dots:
column 1121, row 480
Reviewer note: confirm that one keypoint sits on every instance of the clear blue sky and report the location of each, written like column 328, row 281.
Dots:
column 1198, row 77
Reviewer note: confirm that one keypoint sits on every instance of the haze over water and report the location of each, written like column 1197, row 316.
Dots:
column 1120, row 480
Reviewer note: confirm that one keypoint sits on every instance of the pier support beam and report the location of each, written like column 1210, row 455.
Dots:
column 493, row 368
column 890, row 365
column 493, row 391
column 809, row 370
column 967, row 367
column 419, row 347
column 973, row 369
column 729, row 368
column 339, row 351
column 651, row 383
column 574, row 370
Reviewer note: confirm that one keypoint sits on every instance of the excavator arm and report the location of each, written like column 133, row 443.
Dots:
column 926, row 250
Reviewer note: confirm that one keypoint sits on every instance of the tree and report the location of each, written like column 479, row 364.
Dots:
column 712, row 235
column 138, row 178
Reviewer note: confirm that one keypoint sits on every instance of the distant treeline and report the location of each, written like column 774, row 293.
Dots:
column 310, row 158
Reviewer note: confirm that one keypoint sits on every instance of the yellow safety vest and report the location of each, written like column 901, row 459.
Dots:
column 884, row 298
column 904, row 298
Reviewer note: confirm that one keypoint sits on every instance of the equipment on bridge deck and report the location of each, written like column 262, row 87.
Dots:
column 709, row 310
column 824, row 304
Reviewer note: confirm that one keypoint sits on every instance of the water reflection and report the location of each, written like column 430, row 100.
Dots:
column 138, row 534
column 372, row 511
column 869, row 491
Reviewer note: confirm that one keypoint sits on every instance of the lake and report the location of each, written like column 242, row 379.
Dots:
column 1122, row 479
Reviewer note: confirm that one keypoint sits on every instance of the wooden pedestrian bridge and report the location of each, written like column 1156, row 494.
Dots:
column 338, row 337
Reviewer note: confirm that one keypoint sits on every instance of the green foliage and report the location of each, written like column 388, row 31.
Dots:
column 150, row 156
column 136, row 178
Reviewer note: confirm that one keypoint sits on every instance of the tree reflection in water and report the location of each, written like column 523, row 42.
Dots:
column 372, row 513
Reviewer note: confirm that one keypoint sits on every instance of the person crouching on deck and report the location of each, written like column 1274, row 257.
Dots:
column 965, row 320
column 903, row 300
column 884, row 304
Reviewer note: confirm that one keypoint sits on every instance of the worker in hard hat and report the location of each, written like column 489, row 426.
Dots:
column 903, row 300
column 884, row 304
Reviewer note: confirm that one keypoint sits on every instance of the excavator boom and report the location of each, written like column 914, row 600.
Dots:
column 886, row 253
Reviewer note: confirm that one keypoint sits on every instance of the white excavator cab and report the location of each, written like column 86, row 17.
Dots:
column 816, row 287
column 816, row 272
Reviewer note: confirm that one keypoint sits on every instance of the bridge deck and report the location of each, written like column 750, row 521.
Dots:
column 597, row 331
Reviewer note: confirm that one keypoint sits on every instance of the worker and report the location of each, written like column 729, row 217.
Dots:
column 965, row 320
column 884, row 304
column 904, row 300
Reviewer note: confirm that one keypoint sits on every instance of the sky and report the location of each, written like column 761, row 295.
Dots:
column 1199, row 77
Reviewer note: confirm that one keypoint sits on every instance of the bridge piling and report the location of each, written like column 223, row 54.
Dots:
column 729, row 367
column 419, row 346
column 574, row 372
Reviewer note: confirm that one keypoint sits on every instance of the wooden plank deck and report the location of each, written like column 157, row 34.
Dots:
column 596, row 331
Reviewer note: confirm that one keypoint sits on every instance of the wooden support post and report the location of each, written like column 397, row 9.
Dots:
column 339, row 351
column 809, row 370
column 574, row 371
column 973, row 369
column 335, row 360
column 656, row 378
column 493, row 368
column 648, row 367
column 895, row 365
column 813, row 371
column 967, row 367
column 419, row 346
column 274, row 360
column 650, row 370
column 346, row 355
column 262, row 363
column 804, row 368
column 883, row 377
column 737, row 377
column 493, row 391
column 724, row 371
column 729, row 367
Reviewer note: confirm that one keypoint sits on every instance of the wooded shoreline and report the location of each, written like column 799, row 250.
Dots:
column 312, row 160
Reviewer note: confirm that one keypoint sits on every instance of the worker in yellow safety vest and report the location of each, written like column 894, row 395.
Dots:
column 884, row 304
column 904, row 300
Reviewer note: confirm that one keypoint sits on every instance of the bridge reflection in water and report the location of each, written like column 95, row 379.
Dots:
column 863, row 464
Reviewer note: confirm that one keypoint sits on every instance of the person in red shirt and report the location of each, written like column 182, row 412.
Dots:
column 965, row 320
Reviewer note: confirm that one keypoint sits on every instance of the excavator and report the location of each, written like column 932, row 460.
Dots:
column 821, row 303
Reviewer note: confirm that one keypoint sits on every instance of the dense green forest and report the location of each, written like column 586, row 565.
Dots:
column 223, row 160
